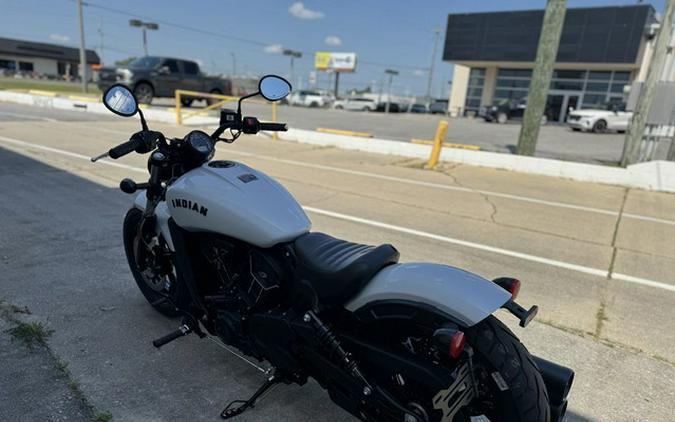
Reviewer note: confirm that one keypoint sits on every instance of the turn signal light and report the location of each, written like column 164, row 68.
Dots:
column 457, row 344
column 450, row 339
column 511, row 285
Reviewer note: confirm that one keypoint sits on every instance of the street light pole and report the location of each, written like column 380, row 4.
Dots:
column 293, row 55
column 391, row 73
column 144, row 26
column 83, row 56
column 234, row 64
column 437, row 33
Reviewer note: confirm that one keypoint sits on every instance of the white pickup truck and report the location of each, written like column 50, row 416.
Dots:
column 612, row 117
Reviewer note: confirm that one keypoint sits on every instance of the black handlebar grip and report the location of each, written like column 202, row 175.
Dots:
column 183, row 331
column 123, row 149
column 274, row 126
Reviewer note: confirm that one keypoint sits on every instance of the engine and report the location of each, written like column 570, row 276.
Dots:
column 242, row 280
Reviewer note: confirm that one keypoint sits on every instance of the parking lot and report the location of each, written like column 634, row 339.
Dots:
column 555, row 141
column 598, row 260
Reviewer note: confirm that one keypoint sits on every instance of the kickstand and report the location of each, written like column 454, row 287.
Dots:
column 238, row 407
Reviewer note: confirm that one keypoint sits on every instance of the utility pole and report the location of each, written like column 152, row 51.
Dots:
column 636, row 128
column 100, row 39
column 547, row 50
column 337, row 82
column 234, row 64
column 391, row 73
column 83, row 57
column 437, row 34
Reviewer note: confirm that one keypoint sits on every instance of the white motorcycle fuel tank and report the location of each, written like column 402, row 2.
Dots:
column 233, row 199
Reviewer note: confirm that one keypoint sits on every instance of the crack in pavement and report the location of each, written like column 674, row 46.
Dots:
column 601, row 316
column 448, row 172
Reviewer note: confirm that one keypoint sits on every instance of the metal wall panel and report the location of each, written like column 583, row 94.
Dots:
column 589, row 35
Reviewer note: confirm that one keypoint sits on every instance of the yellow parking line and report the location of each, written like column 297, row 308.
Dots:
column 82, row 98
column 41, row 92
column 344, row 132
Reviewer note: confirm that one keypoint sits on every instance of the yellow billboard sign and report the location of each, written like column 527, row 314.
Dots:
column 337, row 62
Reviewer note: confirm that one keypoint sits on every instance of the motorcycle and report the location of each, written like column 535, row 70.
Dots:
column 230, row 251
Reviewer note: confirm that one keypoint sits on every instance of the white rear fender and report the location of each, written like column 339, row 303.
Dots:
column 162, row 215
column 461, row 295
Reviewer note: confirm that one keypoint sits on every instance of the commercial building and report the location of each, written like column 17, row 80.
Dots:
column 42, row 59
column 603, row 50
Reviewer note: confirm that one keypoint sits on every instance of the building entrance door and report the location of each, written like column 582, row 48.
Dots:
column 558, row 105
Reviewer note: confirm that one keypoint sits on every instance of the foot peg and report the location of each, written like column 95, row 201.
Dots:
column 238, row 407
column 183, row 330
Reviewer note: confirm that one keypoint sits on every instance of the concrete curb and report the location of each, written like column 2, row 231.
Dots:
column 653, row 175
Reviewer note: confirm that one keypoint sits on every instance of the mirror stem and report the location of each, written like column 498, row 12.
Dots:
column 144, row 124
column 242, row 99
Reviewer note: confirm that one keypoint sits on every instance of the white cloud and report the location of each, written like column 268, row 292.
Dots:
column 59, row 37
column 333, row 40
column 419, row 72
column 298, row 10
column 273, row 49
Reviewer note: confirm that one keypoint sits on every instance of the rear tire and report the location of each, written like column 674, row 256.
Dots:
column 165, row 303
column 499, row 347
column 211, row 101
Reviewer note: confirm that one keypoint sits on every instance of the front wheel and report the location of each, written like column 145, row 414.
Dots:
column 151, row 265
column 508, row 383
column 144, row 93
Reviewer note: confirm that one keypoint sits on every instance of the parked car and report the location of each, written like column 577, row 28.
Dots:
column 610, row 117
column 418, row 108
column 439, row 107
column 357, row 103
column 505, row 110
column 306, row 98
column 393, row 107
column 150, row 77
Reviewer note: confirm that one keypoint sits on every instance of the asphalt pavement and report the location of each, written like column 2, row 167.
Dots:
column 599, row 260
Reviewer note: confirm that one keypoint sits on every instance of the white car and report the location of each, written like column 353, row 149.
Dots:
column 356, row 103
column 612, row 118
column 306, row 98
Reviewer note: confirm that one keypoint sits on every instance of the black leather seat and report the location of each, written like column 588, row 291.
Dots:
column 338, row 269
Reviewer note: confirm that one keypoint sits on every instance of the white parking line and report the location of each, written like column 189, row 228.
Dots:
column 28, row 116
column 406, row 230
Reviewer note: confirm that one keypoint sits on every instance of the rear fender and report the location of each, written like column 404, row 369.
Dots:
column 461, row 296
column 162, row 215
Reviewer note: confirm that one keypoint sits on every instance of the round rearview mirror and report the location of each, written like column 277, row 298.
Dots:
column 273, row 87
column 120, row 100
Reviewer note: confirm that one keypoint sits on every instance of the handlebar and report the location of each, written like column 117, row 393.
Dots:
column 124, row 148
column 274, row 126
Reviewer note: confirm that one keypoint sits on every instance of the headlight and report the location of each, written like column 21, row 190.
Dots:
column 125, row 75
column 493, row 108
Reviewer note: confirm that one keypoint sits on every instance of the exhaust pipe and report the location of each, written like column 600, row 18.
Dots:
column 558, row 380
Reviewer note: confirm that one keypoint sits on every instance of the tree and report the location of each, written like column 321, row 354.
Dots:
column 125, row 61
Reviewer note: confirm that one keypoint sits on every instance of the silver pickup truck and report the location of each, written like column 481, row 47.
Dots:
column 150, row 77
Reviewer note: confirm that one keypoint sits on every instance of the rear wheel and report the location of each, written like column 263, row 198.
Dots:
column 508, row 384
column 186, row 102
column 154, row 273
column 211, row 101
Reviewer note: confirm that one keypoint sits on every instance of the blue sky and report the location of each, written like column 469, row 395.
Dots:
column 394, row 33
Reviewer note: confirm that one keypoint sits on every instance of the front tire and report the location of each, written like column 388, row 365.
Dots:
column 600, row 126
column 163, row 300
column 502, row 118
column 144, row 92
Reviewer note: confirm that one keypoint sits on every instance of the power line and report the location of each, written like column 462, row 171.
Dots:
column 229, row 37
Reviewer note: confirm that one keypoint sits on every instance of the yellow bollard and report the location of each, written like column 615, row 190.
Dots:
column 275, row 135
column 179, row 118
column 438, row 144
